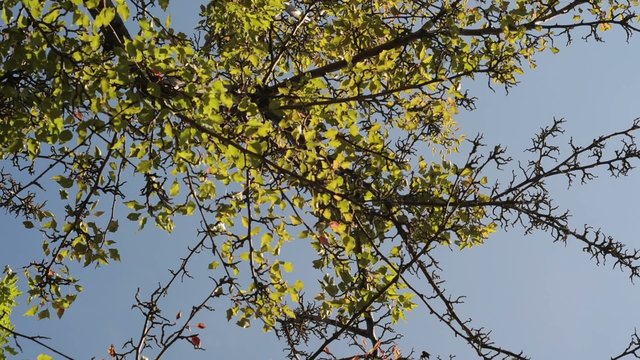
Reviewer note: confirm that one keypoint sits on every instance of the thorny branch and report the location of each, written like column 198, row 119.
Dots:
column 36, row 339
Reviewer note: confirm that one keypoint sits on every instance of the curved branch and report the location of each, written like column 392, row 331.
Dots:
column 36, row 340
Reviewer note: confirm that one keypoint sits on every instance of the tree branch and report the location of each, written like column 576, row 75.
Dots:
column 35, row 339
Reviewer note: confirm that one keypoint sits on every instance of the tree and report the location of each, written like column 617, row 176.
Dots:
column 278, row 122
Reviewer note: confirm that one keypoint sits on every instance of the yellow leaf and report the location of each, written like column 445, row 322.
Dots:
column 175, row 189
column 288, row 267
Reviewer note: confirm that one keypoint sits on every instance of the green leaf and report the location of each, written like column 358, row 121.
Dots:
column 63, row 181
column 44, row 314
column 132, row 204
column 114, row 254
column 145, row 166
column 123, row 9
column 133, row 216
column 175, row 189
column 164, row 4
column 113, row 226
column 32, row 311
column 349, row 244
column 106, row 15
column 65, row 136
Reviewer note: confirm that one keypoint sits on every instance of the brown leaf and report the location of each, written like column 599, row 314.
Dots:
column 323, row 240
column 396, row 352
column 195, row 340
column 112, row 351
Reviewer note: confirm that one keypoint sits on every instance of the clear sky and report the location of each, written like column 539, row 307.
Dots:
column 549, row 300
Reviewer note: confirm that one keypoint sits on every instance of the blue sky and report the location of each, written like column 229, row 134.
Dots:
column 546, row 299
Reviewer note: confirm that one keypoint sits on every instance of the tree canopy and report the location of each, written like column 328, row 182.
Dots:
column 327, row 123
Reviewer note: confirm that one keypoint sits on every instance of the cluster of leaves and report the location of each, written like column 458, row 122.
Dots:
column 334, row 127
column 8, row 294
